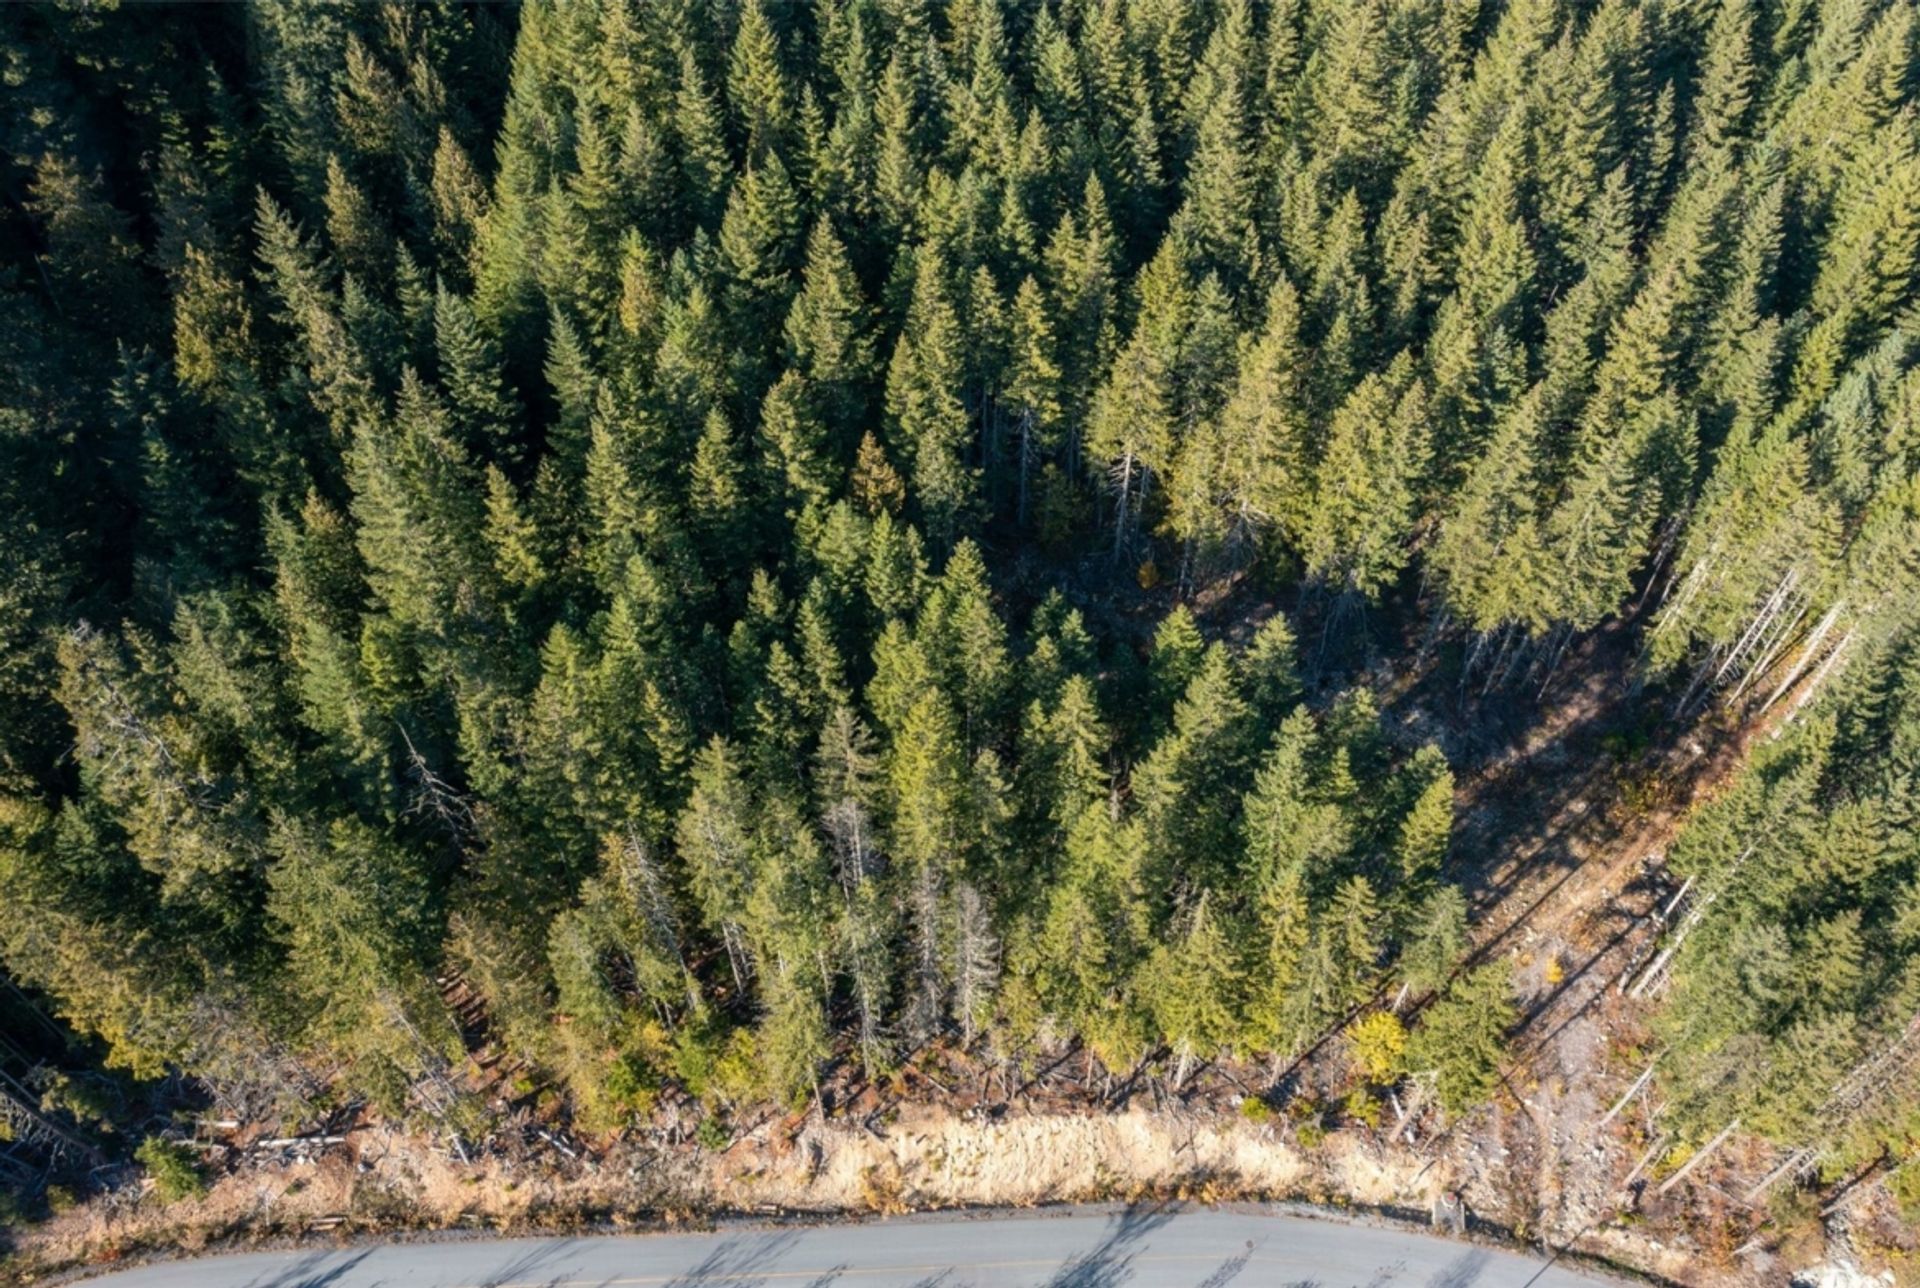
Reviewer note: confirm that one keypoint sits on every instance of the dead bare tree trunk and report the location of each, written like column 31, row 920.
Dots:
column 1700, row 1156
column 1808, row 651
column 1645, row 1077
column 1123, row 496
column 1646, row 1160
column 1820, row 676
column 976, row 964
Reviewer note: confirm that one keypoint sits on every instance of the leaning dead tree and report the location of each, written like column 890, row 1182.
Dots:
column 1867, row 1084
column 431, row 1089
column 433, row 797
column 645, row 888
column 1825, row 650
column 1696, row 904
column 1768, row 633
column 22, row 1124
column 1804, row 610
column 1700, row 1156
column 247, row 1073
column 1646, row 1076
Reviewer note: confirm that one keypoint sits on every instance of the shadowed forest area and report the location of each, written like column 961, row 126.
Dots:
column 576, row 570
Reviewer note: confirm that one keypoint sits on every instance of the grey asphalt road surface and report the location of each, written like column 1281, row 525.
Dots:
column 1138, row 1248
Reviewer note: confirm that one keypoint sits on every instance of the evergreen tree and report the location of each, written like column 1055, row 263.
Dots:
column 1190, row 986
column 469, row 369
column 1032, row 398
column 756, row 83
column 826, row 333
column 927, row 779
column 759, row 240
column 1131, row 428
column 354, row 908
column 1192, row 829
column 928, row 421
column 1367, row 487
column 700, row 146
column 1461, row 1041
column 714, row 834
column 1260, row 476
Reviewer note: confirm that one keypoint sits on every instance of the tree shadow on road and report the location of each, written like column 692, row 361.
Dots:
column 1463, row 1271
column 533, row 1265
column 741, row 1262
column 1110, row 1261
column 1229, row 1270
column 315, row 1270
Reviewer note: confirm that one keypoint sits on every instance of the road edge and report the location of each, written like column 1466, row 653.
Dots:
column 1480, row 1233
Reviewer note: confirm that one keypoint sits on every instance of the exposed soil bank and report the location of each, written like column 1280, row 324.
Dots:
column 387, row 1185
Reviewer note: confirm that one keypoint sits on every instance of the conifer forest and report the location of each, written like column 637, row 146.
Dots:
column 723, row 554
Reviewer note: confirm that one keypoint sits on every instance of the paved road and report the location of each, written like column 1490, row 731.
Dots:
column 1140, row 1249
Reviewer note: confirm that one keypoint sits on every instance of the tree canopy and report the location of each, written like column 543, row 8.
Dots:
column 710, row 522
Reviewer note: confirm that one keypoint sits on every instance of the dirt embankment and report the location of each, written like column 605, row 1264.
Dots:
column 923, row 1159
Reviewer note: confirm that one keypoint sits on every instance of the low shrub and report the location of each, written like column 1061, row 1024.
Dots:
column 175, row 1171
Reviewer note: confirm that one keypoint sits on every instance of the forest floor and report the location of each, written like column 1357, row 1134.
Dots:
column 1565, row 808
